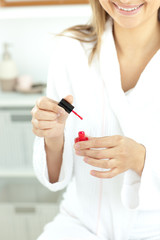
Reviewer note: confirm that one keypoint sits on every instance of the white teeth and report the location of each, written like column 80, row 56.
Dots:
column 128, row 9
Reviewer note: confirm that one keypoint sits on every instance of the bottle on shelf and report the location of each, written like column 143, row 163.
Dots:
column 8, row 71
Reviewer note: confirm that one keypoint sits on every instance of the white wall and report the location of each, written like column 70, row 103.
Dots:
column 29, row 30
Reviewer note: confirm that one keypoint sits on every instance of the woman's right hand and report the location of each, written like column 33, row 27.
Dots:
column 48, row 118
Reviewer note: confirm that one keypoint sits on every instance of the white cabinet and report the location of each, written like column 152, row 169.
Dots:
column 16, row 137
column 25, row 205
column 25, row 221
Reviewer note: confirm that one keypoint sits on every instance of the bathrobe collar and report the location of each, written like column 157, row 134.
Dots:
column 124, row 107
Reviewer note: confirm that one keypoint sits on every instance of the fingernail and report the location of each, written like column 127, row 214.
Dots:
column 77, row 146
column 70, row 98
column 78, row 152
column 92, row 173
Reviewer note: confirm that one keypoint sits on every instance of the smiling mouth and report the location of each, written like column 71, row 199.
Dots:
column 128, row 9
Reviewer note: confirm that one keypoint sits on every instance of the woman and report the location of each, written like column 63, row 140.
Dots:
column 113, row 180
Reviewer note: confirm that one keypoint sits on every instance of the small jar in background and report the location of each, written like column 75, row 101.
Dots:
column 24, row 83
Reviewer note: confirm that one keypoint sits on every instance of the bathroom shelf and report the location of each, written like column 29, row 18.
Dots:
column 15, row 99
column 17, row 173
column 55, row 11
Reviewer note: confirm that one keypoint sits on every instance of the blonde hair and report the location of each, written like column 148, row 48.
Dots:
column 92, row 31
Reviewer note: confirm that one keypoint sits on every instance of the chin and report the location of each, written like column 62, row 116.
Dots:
column 128, row 23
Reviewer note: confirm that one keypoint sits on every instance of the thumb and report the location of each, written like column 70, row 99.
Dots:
column 69, row 99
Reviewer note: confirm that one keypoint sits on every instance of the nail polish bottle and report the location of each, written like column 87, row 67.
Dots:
column 81, row 137
column 8, row 71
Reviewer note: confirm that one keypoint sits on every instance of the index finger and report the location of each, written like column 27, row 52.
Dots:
column 45, row 103
column 98, row 142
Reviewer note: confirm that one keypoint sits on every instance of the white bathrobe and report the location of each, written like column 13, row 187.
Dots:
column 126, row 206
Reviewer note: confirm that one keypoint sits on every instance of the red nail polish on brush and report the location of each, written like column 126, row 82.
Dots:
column 68, row 107
column 81, row 137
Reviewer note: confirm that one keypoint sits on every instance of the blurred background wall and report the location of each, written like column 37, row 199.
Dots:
column 29, row 31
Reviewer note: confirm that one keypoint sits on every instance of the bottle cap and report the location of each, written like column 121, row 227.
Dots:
column 66, row 105
column 81, row 137
column 6, row 54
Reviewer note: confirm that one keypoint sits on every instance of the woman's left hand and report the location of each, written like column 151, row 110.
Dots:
column 116, row 153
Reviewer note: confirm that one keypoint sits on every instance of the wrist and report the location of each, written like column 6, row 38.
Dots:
column 141, row 161
column 54, row 141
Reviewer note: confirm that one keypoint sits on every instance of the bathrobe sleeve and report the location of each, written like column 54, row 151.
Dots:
column 58, row 86
column 144, row 192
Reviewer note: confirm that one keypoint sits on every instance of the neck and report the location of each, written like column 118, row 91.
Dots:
column 143, row 38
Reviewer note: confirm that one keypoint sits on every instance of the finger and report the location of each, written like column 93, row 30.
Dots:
column 102, row 142
column 105, row 174
column 42, row 133
column 44, row 115
column 97, row 154
column 48, row 104
column 43, row 124
column 106, row 164
column 39, row 132
column 69, row 99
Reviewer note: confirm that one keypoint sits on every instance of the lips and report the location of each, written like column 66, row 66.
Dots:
column 128, row 6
